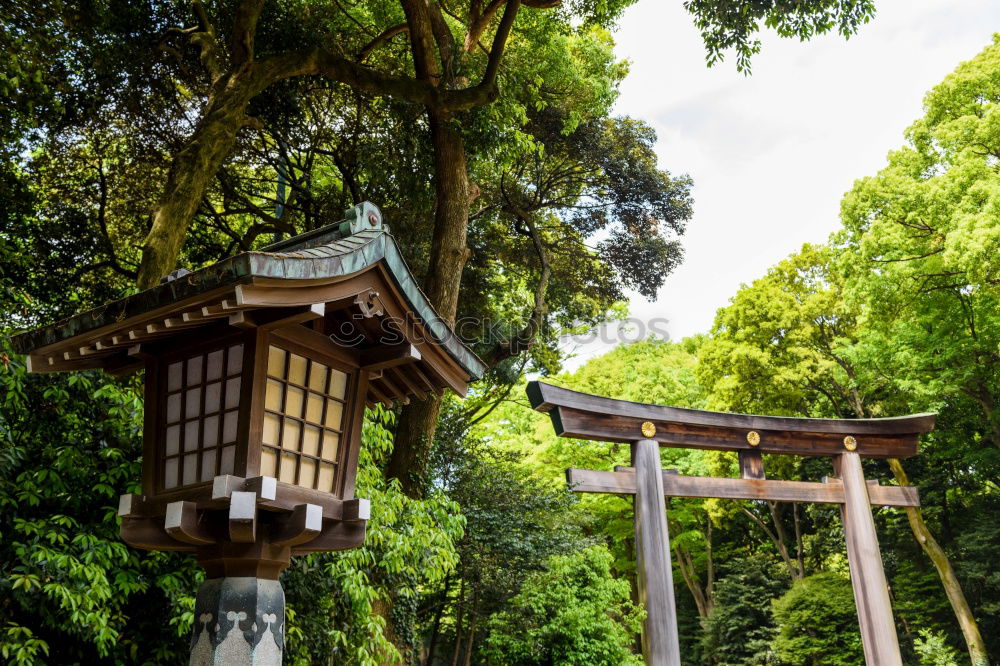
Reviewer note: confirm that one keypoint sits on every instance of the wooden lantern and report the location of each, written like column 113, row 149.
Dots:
column 257, row 373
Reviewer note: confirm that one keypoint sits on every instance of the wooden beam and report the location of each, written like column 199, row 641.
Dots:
column 893, row 495
column 264, row 487
column 752, row 465
column 303, row 524
column 149, row 534
column 143, row 333
column 390, row 388
column 314, row 340
column 270, row 497
column 379, row 358
column 336, row 535
column 622, row 482
column 871, row 591
column 224, row 485
column 594, row 481
column 356, row 510
column 203, row 314
column 37, row 364
column 242, row 517
column 580, row 424
column 223, row 308
column 593, row 417
column 120, row 365
column 181, row 523
column 411, row 386
column 379, row 396
column 252, row 295
column 431, row 386
column 660, row 645
column 273, row 318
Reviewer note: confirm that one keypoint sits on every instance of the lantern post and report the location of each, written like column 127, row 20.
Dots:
column 258, row 370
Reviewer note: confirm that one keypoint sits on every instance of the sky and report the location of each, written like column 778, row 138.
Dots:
column 772, row 154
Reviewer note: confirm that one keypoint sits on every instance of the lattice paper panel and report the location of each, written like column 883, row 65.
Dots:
column 201, row 413
column 304, row 408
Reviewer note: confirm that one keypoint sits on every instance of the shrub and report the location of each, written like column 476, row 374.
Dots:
column 576, row 612
column 817, row 623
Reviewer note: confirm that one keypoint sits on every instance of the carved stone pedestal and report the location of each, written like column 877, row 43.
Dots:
column 239, row 621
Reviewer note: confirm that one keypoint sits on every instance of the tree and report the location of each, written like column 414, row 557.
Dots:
column 600, row 177
column 573, row 613
column 650, row 370
column 723, row 29
column 71, row 590
column 231, row 65
column 515, row 521
column 927, row 223
column 741, row 628
column 340, row 602
column 790, row 343
column 918, row 243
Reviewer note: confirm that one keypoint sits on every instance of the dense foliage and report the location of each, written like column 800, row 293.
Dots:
column 574, row 613
column 817, row 623
column 743, row 607
column 484, row 557
column 71, row 589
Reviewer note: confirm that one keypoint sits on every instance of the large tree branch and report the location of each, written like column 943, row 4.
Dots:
column 478, row 23
column 778, row 544
column 244, row 29
column 690, row 575
column 422, row 46
column 444, row 39
column 347, row 174
column 380, row 39
column 102, row 220
column 334, row 66
column 206, row 42
column 499, row 43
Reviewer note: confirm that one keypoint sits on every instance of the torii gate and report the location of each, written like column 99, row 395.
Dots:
column 646, row 427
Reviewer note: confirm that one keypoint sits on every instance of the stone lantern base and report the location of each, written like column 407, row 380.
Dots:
column 244, row 534
column 239, row 621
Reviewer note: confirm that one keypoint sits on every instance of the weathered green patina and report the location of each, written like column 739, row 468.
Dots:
column 330, row 253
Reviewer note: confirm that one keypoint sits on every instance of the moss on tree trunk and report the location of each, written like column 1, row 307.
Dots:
column 952, row 588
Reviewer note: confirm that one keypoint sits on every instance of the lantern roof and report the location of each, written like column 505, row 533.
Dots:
column 350, row 273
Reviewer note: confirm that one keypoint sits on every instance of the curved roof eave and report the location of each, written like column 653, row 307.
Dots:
column 338, row 258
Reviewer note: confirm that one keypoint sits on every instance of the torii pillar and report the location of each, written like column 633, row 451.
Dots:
column 660, row 645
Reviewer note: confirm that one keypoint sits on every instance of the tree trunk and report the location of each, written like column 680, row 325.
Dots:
column 458, row 624
column 449, row 253
column 970, row 630
column 690, row 576
column 472, row 638
column 781, row 535
column 191, row 171
column 436, row 631
column 383, row 609
column 411, row 451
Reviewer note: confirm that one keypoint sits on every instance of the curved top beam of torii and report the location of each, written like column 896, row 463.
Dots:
column 586, row 416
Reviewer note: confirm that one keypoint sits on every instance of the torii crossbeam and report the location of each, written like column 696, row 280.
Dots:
column 647, row 427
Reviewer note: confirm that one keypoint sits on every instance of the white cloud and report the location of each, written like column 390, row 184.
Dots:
column 773, row 153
